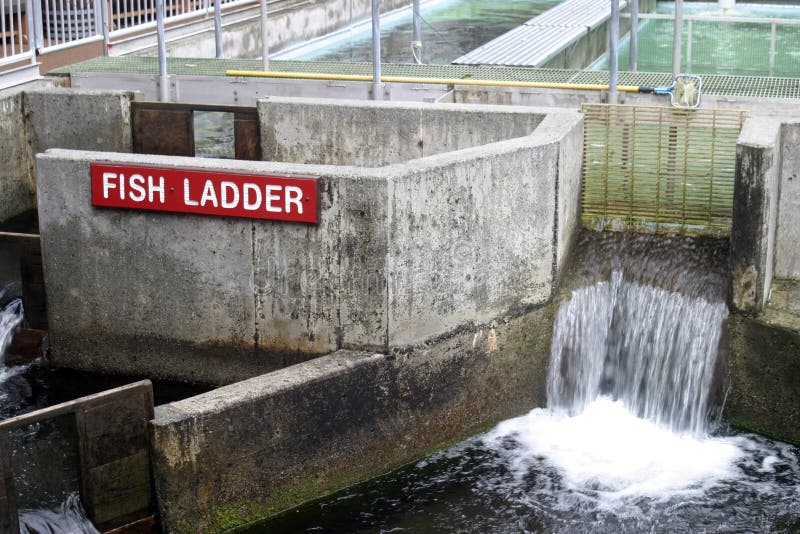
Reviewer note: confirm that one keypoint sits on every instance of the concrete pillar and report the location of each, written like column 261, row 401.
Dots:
column 755, row 212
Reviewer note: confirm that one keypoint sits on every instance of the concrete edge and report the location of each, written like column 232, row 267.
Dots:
column 266, row 385
column 412, row 106
column 335, row 171
column 760, row 132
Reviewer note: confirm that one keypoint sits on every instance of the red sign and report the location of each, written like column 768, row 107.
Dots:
column 279, row 198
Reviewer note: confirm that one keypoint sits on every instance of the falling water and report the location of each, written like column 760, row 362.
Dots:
column 653, row 349
column 629, row 441
column 10, row 318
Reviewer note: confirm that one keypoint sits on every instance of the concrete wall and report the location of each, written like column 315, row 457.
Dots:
column 80, row 119
column 375, row 134
column 787, row 251
column 252, row 449
column 289, row 21
column 37, row 116
column 764, row 371
column 402, row 254
column 755, row 213
column 17, row 189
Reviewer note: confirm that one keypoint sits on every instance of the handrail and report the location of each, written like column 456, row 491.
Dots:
column 706, row 18
column 436, row 81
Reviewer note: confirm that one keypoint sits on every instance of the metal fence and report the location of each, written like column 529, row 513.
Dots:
column 16, row 29
column 28, row 26
column 720, row 45
column 660, row 168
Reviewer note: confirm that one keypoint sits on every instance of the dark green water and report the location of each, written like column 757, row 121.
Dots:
column 450, row 29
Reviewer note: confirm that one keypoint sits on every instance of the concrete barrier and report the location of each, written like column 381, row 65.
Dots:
column 403, row 254
column 787, row 251
column 289, row 21
column 755, row 213
column 251, row 449
column 37, row 116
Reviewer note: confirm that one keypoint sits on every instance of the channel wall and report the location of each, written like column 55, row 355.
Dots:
column 403, row 253
column 36, row 116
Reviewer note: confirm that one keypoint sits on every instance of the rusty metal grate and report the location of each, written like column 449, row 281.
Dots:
column 659, row 168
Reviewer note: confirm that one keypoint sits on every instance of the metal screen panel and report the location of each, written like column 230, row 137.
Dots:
column 659, row 168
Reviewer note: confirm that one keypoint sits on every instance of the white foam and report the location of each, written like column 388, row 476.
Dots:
column 608, row 450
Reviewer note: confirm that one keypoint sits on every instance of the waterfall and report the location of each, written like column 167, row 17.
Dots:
column 652, row 349
column 10, row 318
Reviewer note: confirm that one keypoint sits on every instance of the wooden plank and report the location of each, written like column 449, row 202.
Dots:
column 27, row 344
column 147, row 525
column 115, row 430
column 34, row 295
column 165, row 132
column 145, row 387
column 120, row 490
column 9, row 519
column 247, row 136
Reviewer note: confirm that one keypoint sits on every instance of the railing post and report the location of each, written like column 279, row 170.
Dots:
column 677, row 39
column 689, row 28
column 416, row 39
column 264, row 37
column 106, row 26
column 613, row 96
column 377, row 86
column 163, row 77
column 38, row 26
column 634, row 61
column 218, row 27
column 773, row 34
column 31, row 30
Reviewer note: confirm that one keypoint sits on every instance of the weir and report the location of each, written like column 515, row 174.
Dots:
column 630, row 432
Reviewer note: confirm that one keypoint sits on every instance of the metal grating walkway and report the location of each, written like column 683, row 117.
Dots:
column 752, row 86
column 541, row 38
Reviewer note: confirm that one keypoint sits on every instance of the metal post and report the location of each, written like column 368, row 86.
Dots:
column 264, row 37
column 416, row 43
column 613, row 96
column 218, row 27
column 634, row 35
column 163, row 77
column 38, row 24
column 689, row 29
column 377, row 86
column 677, row 39
column 773, row 34
column 29, row 16
column 106, row 38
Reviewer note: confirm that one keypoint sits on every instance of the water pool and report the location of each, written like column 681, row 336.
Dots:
column 718, row 47
column 450, row 28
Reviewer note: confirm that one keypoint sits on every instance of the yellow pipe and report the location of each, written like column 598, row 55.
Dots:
column 438, row 81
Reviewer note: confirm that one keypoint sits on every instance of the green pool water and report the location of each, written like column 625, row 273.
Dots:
column 736, row 48
column 450, row 28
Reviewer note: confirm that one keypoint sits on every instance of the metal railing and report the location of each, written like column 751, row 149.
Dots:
column 660, row 168
column 16, row 28
column 768, row 46
column 31, row 26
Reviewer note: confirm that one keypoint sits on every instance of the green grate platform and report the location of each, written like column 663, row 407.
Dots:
column 755, row 86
